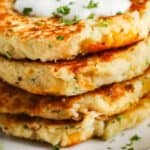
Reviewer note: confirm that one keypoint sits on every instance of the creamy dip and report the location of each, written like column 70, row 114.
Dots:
column 68, row 9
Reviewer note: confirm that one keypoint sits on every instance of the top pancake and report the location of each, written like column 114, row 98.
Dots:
column 36, row 37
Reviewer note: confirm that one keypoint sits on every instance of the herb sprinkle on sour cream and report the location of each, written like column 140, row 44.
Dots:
column 72, row 9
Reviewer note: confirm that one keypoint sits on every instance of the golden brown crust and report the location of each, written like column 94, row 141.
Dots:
column 107, row 101
column 70, row 133
column 77, row 76
column 129, row 119
column 30, row 37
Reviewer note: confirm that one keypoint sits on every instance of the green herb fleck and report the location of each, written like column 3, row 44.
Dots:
column 92, row 5
column 63, row 10
column 131, row 148
column 119, row 13
column 134, row 138
column 56, row 147
column 69, row 21
column 27, row 11
column 123, row 147
column 91, row 16
column 109, row 148
column 8, row 55
column 118, row 118
column 129, row 144
column 59, row 37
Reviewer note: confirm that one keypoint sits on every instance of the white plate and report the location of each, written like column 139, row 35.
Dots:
column 143, row 131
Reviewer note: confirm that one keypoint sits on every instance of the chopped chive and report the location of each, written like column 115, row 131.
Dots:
column 119, row 13
column 134, row 138
column 91, row 16
column 8, row 55
column 92, row 5
column 56, row 147
column 63, row 10
column 69, row 21
column 27, row 11
column 118, row 118
column 60, row 38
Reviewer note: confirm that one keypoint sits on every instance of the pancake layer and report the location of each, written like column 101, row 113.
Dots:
column 79, row 76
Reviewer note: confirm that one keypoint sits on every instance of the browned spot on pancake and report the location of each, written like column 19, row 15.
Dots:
column 30, row 121
column 114, row 91
column 91, row 46
column 108, row 56
column 3, row 16
column 129, row 87
column 138, row 4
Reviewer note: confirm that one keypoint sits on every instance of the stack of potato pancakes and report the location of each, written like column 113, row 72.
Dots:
column 64, row 84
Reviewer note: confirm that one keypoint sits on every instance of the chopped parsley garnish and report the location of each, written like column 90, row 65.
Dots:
column 59, row 37
column 130, row 146
column 134, row 138
column 119, row 13
column 92, row 5
column 123, row 147
column 8, row 55
column 27, row 11
column 63, row 10
column 69, row 21
column 91, row 16
column 109, row 148
column 118, row 118
column 56, row 147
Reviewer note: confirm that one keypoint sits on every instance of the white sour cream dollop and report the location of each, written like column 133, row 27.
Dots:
column 68, row 9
